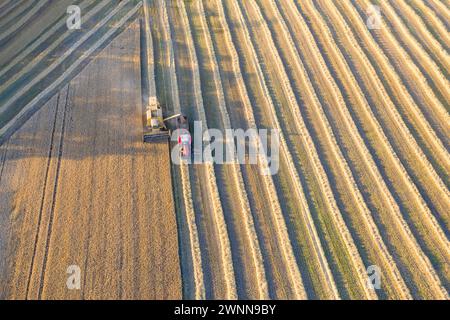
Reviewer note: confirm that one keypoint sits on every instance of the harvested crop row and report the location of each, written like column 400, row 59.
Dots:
column 20, row 116
column 293, row 271
column 411, row 155
column 183, row 170
column 380, row 252
column 6, row 3
column 410, row 186
column 419, row 91
column 413, row 159
column 236, row 232
column 41, row 22
column 171, row 57
column 440, row 10
column 417, row 76
column 351, row 85
column 15, row 12
column 8, row 6
column 399, row 166
column 434, row 25
column 296, row 180
column 36, row 79
column 252, row 125
column 186, row 207
column 11, row 30
column 416, row 25
column 149, row 64
column 418, row 54
column 280, row 284
column 28, row 64
column 433, row 141
column 193, row 234
column 217, row 210
column 441, row 114
column 349, row 248
column 11, row 63
column 379, row 195
column 255, row 249
column 200, row 291
column 324, row 283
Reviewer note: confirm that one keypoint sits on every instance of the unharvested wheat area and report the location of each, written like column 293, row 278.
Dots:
column 362, row 115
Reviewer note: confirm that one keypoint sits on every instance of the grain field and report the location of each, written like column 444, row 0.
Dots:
column 101, row 199
column 357, row 109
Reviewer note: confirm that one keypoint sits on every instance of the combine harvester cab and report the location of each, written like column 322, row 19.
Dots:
column 154, row 128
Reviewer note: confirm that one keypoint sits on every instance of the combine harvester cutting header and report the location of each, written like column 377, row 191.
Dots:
column 155, row 128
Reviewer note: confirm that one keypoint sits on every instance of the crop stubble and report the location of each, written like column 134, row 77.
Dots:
column 106, row 198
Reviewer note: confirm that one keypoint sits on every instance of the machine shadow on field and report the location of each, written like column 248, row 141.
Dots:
column 113, row 120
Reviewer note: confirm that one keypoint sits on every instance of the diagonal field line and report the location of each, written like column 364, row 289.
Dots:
column 42, row 37
column 60, row 59
column 38, row 58
column 22, row 20
column 63, row 76
column 10, row 12
column 6, row 4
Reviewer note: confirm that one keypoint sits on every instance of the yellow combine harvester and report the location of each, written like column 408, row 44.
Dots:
column 154, row 128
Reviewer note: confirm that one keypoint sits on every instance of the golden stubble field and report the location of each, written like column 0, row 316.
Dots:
column 79, row 188
column 363, row 118
column 364, row 132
